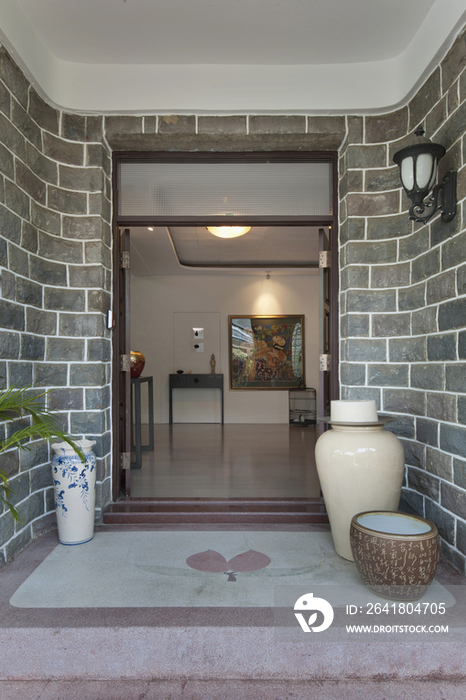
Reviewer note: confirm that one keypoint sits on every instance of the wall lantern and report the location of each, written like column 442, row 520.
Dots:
column 418, row 171
column 228, row 231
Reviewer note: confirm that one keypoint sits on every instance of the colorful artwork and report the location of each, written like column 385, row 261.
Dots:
column 266, row 352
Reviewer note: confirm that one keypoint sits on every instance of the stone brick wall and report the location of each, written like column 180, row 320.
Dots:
column 403, row 303
column 55, row 266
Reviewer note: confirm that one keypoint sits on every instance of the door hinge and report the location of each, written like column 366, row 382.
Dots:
column 324, row 258
column 324, row 363
column 125, row 365
column 125, row 460
column 125, row 259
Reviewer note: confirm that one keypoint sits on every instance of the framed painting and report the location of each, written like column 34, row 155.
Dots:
column 266, row 352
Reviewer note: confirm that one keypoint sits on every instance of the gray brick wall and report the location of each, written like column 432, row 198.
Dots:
column 403, row 292
column 55, row 252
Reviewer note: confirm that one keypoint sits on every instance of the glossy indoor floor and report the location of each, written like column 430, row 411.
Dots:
column 230, row 461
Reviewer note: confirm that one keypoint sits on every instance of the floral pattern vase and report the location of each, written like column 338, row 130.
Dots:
column 74, row 490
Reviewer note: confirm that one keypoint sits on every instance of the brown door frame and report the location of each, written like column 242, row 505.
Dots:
column 122, row 222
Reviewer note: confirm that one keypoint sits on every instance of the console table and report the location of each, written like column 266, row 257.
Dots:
column 194, row 381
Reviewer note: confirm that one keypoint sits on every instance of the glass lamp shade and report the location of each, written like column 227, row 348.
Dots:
column 228, row 231
column 418, row 168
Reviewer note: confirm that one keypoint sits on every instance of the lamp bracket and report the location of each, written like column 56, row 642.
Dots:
column 447, row 207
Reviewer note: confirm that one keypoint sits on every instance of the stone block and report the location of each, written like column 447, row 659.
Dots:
column 28, row 292
column 462, row 345
column 412, row 246
column 8, row 283
column 13, row 77
column 123, row 124
column 63, row 151
column 411, row 502
column 10, row 225
column 47, row 272
column 88, row 423
column 3, row 385
column 445, row 521
column 81, row 325
column 11, row 315
column 46, row 374
column 45, row 116
column 100, row 205
column 355, row 129
column 355, row 276
column 7, row 166
column 60, row 250
column 429, row 376
column 87, row 374
column 424, row 483
column 361, row 157
column 94, row 127
column 367, row 253
column 352, row 230
column 441, row 347
column 386, row 127
column 45, row 219
column 87, row 179
column 29, row 182
column 362, row 350
column 441, row 287
column 454, row 499
column 96, row 155
column 3, row 253
column 454, row 251
column 5, row 100
column 452, row 315
column 389, row 325
column 99, row 350
column 459, row 472
column 31, row 508
column 462, row 409
column 388, row 227
column 412, row 298
column 97, row 252
column 439, row 463
column 414, row 453
column 73, row 127
column 66, row 202
column 461, row 279
column 150, row 124
column 32, row 347
column 456, row 377
column 9, row 463
column 17, row 200
column 356, row 393
column 97, row 398
column 41, row 322
column 425, row 266
column 378, row 204
column 9, row 345
column 352, row 374
column 18, row 260
column 426, row 96
column 86, row 276
column 82, row 227
column 427, row 432
column 65, row 349
column 383, row 179
column 25, row 124
column 461, row 536
column 7, row 531
column 66, row 399
column 20, row 488
column 436, row 116
column 424, row 321
column 64, row 299
column 12, row 138
column 41, row 477
column 441, row 406
column 390, row 275
column 404, row 401
column 98, row 300
column 388, row 375
column 222, row 125
column 43, row 167
column 276, row 124
column 453, row 439
column 453, row 128
column 371, row 300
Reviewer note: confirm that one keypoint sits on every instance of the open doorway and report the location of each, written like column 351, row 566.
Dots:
column 277, row 281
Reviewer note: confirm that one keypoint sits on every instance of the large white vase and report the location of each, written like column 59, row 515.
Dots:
column 74, row 489
column 360, row 468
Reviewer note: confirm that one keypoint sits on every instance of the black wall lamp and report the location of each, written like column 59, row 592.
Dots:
column 418, row 171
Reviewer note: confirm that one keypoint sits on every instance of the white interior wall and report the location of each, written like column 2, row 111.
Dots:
column 155, row 300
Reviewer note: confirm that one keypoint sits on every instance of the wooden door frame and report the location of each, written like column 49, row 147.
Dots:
column 120, row 222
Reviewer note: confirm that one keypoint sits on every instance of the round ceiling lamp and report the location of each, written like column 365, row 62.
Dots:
column 228, row 231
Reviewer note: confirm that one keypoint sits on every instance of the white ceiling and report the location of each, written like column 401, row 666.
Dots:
column 229, row 56
column 175, row 251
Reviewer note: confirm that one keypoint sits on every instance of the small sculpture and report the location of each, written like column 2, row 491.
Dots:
column 212, row 364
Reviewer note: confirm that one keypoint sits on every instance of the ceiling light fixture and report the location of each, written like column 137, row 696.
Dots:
column 228, row 231
column 149, row 228
column 418, row 171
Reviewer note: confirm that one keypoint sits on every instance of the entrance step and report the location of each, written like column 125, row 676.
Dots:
column 216, row 510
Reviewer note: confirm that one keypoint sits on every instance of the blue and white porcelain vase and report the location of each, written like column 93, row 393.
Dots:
column 74, row 490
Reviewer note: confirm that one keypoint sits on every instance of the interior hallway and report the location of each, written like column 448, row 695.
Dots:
column 229, row 461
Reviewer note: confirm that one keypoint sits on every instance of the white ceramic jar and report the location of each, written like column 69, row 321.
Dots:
column 360, row 468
